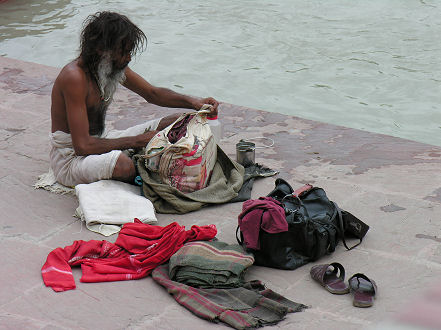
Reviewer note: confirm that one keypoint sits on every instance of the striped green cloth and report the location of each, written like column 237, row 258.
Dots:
column 248, row 307
column 203, row 264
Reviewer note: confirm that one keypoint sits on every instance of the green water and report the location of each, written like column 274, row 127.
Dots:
column 372, row 65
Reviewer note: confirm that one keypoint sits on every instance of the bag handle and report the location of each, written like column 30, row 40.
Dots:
column 237, row 238
column 157, row 153
column 296, row 198
column 301, row 190
column 340, row 220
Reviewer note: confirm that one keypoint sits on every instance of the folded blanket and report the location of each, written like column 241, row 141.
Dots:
column 210, row 265
column 247, row 307
column 107, row 204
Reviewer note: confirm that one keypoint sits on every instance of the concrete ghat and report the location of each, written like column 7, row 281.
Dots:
column 392, row 184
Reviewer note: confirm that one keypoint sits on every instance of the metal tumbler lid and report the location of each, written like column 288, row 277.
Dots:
column 244, row 145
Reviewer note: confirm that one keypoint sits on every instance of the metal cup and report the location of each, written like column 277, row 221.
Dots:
column 245, row 153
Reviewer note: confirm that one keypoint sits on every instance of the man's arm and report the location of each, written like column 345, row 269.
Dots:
column 162, row 96
column 74, row 88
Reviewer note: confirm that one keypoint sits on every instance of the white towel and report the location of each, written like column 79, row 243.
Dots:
column 107, row 204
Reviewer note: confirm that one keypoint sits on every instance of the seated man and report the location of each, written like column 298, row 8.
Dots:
column 82, row 152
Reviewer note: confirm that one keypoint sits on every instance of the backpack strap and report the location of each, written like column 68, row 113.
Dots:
column 332, row 242
column 342, row 229
column 240, row 241
column 301, row 190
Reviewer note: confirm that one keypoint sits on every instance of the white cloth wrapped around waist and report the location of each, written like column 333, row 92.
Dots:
column 70, row 169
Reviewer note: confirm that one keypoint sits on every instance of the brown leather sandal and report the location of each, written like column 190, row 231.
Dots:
column 364, row 290
column 331, row 277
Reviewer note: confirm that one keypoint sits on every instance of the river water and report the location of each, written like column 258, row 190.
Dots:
column 373, row 65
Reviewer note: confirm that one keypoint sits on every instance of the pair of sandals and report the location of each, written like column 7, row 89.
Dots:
column 332, row 278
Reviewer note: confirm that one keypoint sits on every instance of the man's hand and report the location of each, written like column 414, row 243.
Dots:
column 144, row 139
column 208, row 100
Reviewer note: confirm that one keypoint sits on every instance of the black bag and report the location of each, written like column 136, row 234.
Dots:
column 315, row 226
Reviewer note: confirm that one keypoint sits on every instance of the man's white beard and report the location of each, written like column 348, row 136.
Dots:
column 108, row 78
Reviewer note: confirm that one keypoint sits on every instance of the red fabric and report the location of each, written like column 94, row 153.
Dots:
column 138, row 249
column 264, row 213
column 179, row 129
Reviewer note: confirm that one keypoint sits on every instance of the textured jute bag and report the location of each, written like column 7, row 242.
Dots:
column 184, row 153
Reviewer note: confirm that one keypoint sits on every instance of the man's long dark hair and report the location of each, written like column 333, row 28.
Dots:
column 108, row 31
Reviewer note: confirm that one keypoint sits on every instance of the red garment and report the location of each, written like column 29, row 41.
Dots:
column 179, row 129
column 264, row 213
column 138, row 249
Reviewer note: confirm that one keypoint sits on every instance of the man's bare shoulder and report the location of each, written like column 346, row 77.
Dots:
column 72, row 74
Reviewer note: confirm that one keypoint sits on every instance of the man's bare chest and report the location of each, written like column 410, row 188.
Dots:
column 93, row 98
column 96, row 110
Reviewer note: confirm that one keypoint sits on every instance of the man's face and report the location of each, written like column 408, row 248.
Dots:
column 121, row 58
column 110, row 72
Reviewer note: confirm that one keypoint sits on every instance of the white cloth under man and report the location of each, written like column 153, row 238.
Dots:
column 107, row 204
column 70, row 169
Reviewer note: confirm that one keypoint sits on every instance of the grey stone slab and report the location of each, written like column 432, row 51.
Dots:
column 107, row 305
column 32, row 143
column 32, row 215
column 9, row 321
column 20, row 271
column 338, row 309
column 22, row 167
